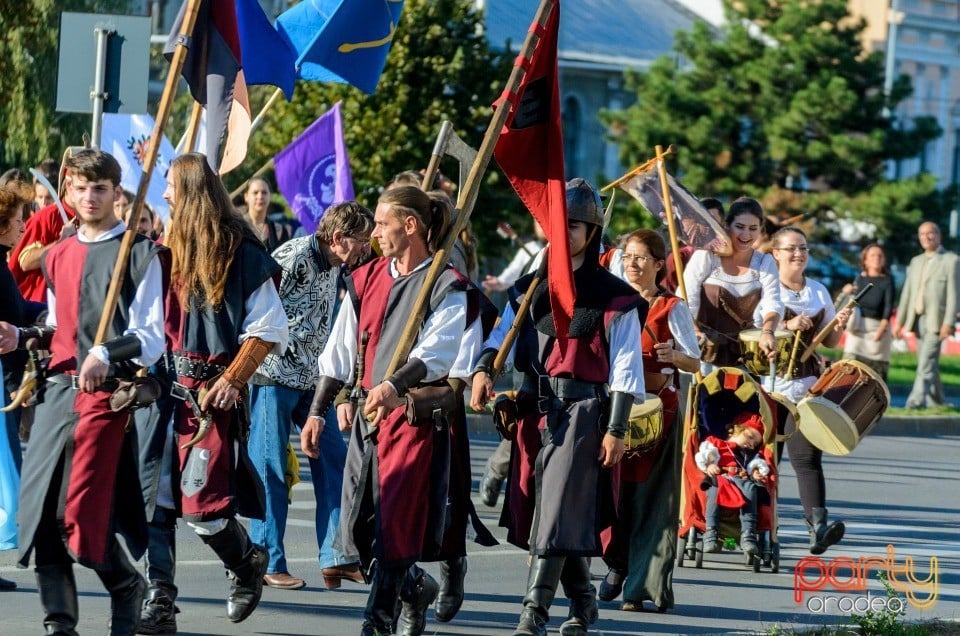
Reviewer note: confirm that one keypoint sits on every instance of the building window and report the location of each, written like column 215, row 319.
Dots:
column 572, row 131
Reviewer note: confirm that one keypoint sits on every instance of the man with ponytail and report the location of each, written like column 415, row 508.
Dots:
column 395, row 480
column 225, row 317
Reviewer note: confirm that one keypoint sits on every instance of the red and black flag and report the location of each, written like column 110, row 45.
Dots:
column 530, row 153
column 213, row 71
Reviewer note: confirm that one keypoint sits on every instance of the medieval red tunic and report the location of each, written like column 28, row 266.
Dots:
column 99, row 489
column 43, row 228
column 215, row 478
column 559, row 497
column 396, row 476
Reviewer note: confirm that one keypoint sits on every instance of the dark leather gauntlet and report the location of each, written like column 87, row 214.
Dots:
column 251, row 355
column 619, row 420
column 324, row 395
column 408, row 376
column 123, row 348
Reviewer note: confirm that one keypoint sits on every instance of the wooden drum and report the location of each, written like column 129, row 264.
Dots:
column 841, row 408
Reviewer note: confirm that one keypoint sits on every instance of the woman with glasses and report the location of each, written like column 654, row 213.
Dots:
column 643, row 542
column 725, row 292
column 808, row 307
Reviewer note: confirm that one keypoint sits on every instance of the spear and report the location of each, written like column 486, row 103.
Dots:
column 149, row 161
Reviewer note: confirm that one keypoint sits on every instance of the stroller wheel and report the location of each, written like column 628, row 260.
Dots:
column 681, row 550
column 754, row 561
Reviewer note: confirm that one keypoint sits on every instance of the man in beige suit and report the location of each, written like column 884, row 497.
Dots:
column 928, row 307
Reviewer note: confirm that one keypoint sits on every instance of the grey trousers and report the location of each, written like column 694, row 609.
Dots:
column 498, row 465
column 927, row 388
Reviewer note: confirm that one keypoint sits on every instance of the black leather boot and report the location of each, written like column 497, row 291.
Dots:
column 127, row 589
column 575, row 578
column 159, row 614
column 542, row 584
column 417, row 594
column 58, row 598
column 383, row 601
column 247, row 563
column 450, row 599
column 822, row 534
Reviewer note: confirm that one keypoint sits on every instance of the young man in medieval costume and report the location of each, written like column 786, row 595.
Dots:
column 573, row 409
column 228, row 319
column 79, row 483
column 395, row 454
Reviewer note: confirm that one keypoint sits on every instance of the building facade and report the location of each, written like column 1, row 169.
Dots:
column 599, row 40
column 923, row 39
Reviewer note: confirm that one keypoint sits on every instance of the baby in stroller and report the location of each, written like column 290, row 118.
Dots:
column 734, row 472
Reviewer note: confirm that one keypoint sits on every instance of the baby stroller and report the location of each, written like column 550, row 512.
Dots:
column 717, row 399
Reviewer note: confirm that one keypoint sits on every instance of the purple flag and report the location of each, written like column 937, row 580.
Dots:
column 313, row 172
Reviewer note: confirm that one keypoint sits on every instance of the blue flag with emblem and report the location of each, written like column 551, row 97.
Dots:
column 341, row 40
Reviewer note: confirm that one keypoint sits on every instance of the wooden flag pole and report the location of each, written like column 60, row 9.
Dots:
column 263, row 111
column 243, row 186
column 149, row 161
column 468, row 196
column 193, row 128
column 671, row 223
column 643, row 167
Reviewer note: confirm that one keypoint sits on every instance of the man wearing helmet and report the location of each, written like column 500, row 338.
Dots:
column 573, row 412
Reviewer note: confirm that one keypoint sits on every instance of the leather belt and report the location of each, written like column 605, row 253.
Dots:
column 73, row 381
column 195, row 369
column 552, row 391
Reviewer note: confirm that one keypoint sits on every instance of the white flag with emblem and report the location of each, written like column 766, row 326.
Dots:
column 127, row 137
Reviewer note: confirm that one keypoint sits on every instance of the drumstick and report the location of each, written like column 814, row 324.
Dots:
column 833, row 322
column 793, row 352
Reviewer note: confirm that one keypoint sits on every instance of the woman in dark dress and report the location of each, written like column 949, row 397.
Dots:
column 869, row 336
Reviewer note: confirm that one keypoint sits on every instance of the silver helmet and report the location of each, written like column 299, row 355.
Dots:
column 583, row 202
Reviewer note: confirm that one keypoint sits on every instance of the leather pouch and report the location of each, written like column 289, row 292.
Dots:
column 134, row 394
column 429, row 403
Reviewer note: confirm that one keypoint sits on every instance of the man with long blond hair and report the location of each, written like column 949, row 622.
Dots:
column 227, row 319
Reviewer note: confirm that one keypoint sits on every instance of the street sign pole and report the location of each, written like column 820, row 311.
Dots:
column 98, row 95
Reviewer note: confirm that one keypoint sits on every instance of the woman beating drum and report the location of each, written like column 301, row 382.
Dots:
column 641, row 547
column 808, row 307
column 725, row 292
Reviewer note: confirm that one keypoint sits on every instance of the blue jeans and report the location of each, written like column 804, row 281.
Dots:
column 274, row 410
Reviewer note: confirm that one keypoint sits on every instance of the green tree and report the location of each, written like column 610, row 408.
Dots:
column 32, row 130
column 439, row 67
column 782, row 95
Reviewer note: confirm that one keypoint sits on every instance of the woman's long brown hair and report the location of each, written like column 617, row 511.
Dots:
column 205, row 232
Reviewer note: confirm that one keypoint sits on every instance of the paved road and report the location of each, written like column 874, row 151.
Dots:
column 900, row 491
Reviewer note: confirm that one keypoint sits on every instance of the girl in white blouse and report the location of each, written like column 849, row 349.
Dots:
column 726, row 292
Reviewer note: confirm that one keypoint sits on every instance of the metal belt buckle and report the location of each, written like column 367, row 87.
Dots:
column 546, row 398
column 75, row 382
